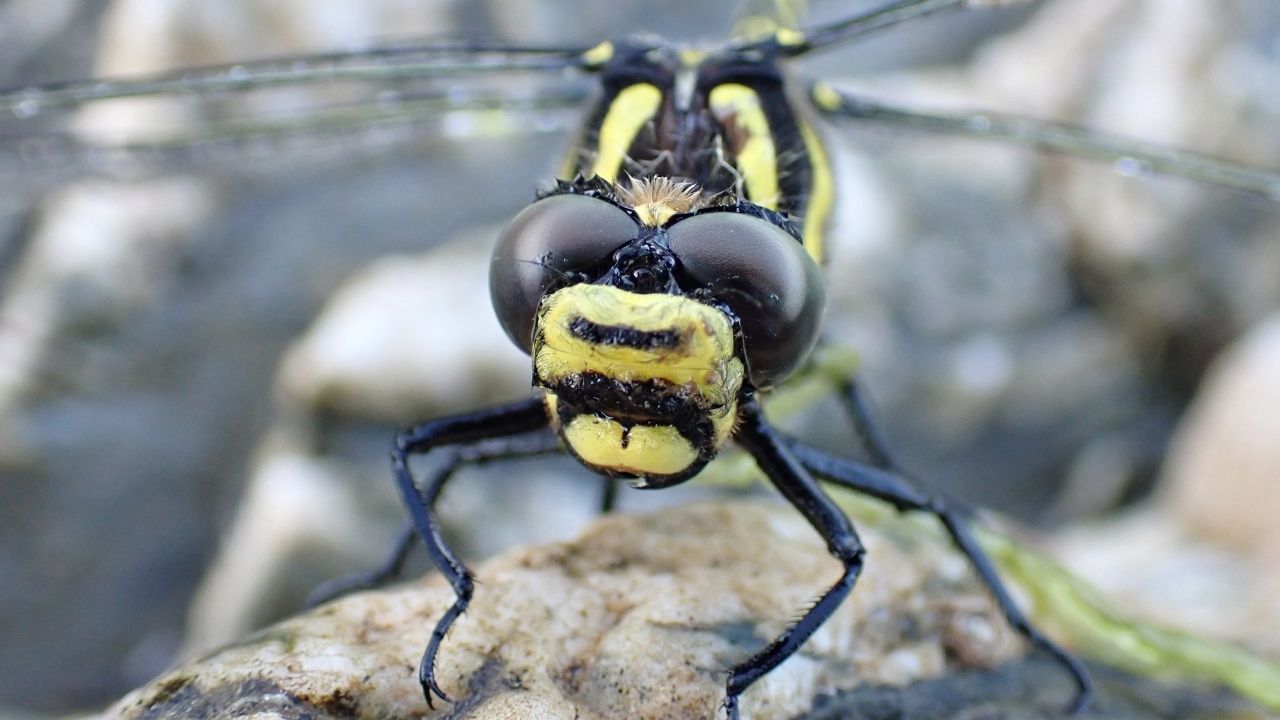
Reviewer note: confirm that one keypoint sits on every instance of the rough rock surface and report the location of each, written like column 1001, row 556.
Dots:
column 639, row 618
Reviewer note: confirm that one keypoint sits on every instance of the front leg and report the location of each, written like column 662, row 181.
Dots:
column 497, row 422
column 795, row 483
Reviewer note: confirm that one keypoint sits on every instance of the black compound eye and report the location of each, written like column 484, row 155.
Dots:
column 545, row 247
column 764, row 276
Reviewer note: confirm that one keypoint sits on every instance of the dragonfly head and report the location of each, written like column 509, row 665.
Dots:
column 648, row 315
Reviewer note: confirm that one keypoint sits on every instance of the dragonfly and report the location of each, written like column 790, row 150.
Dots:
column 474, row 63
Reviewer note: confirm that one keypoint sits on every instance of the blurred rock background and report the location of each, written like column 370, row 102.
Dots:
column 200, row 369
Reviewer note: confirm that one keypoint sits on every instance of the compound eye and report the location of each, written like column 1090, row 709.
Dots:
column 554, row 242
column 764, row 276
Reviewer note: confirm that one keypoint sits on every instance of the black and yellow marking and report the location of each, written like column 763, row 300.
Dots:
column 638, row 384
column 737, row 108
column 623, row 335
column 702, row 359
column 596, row 57
column 720, row 121
column 632, row 109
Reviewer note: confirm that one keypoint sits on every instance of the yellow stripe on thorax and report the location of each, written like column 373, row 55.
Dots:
column 633, row 107
column 757, row 156
column 821, row 194
column 787, row 15
column 597, row 56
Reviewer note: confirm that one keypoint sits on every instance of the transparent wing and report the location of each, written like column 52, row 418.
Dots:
column 796, row 41
column 448, row 59
column 339, row 102
column 1126, row 155
column 44, row 158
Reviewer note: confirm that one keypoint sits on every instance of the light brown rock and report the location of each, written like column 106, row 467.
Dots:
column 640, row 617
column 1223, row 472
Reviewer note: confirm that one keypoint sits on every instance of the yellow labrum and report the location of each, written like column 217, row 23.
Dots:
column 738, row 107
column 634, row 106
column 649, row 337
column 639, row 450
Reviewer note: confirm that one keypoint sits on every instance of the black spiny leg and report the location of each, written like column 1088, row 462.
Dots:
column 506, row 421
column 894, row 489
column 502, row 448
column 795, row 483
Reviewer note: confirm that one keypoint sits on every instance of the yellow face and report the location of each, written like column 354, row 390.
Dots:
column 638, row 384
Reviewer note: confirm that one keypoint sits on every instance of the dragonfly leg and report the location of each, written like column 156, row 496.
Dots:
column 892, row 487
column 798, row 486
column 516, row 419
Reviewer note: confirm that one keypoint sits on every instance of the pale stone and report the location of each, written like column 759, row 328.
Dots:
column 1223, row 472
column 378, row 346
column 640, row 617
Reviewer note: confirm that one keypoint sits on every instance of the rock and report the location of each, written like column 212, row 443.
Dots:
column 370, row 354
column 639, row 618
column 1024, row 690
column 1223, row 472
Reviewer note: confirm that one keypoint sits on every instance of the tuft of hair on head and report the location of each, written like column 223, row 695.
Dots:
column 657, row 199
